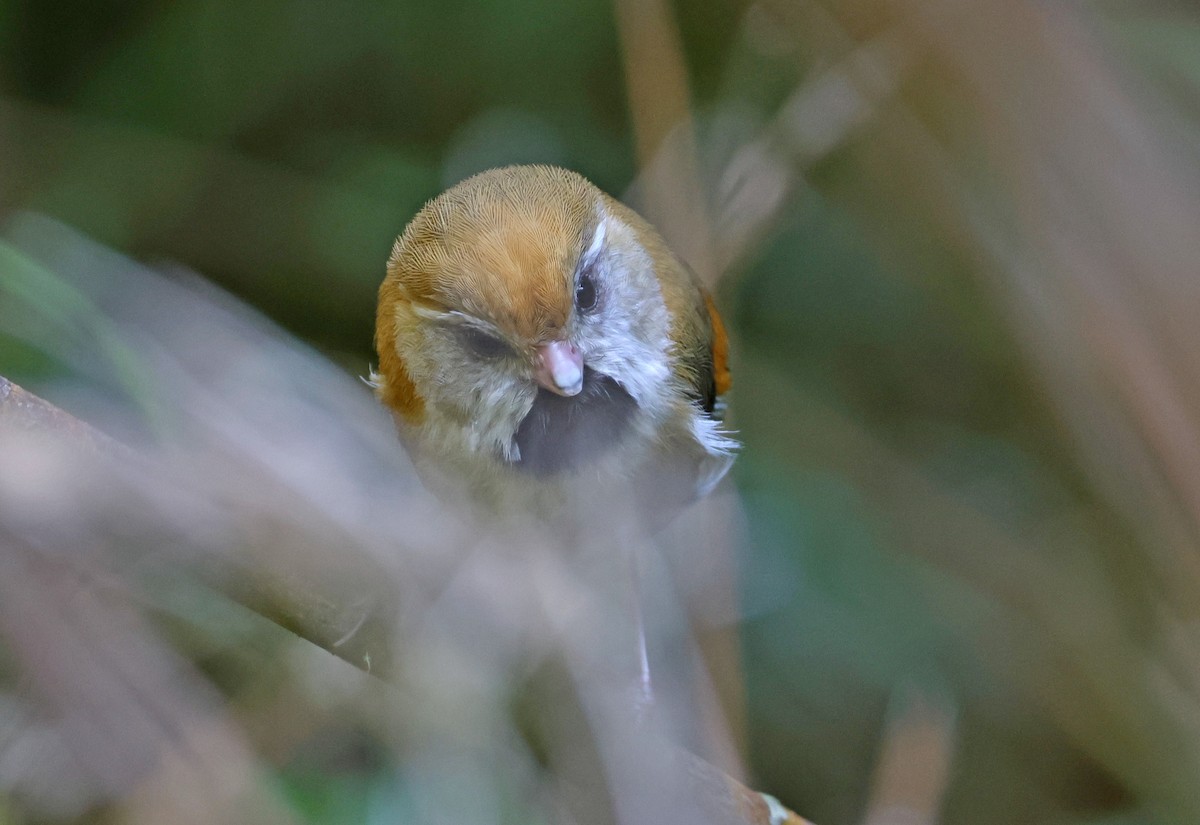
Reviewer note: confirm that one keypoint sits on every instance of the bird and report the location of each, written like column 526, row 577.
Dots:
column 546, row 356
column 541, row 347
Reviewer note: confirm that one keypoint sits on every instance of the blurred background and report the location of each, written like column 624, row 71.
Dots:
column 956, row 244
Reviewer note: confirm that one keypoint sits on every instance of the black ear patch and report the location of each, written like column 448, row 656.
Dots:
column 706, row 392
column 560, row 432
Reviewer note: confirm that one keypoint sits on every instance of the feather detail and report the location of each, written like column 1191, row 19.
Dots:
column 393, row 385
column 722, row 380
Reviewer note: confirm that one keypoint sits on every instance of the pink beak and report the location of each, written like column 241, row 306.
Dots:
column 559, row 367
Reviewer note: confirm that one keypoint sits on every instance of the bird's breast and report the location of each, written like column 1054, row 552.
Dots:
column 561, row 433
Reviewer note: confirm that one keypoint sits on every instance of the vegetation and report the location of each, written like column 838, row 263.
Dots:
column 955, row 243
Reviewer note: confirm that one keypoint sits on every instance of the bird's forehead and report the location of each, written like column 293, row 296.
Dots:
column 515, row 270
column 503, row 246
column 518, row 274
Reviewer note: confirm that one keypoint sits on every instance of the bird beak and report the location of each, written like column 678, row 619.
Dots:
column 559, row 367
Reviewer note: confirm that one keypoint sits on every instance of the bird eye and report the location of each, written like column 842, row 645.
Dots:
column 585, row 293
column 482, row 344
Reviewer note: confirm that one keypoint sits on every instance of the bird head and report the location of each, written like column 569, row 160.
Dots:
column 530, row 322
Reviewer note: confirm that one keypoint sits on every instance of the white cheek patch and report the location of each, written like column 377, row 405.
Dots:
column 627, row 339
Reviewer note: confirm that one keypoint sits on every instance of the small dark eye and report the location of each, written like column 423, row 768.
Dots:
column 585, row 293
column 482, row 344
